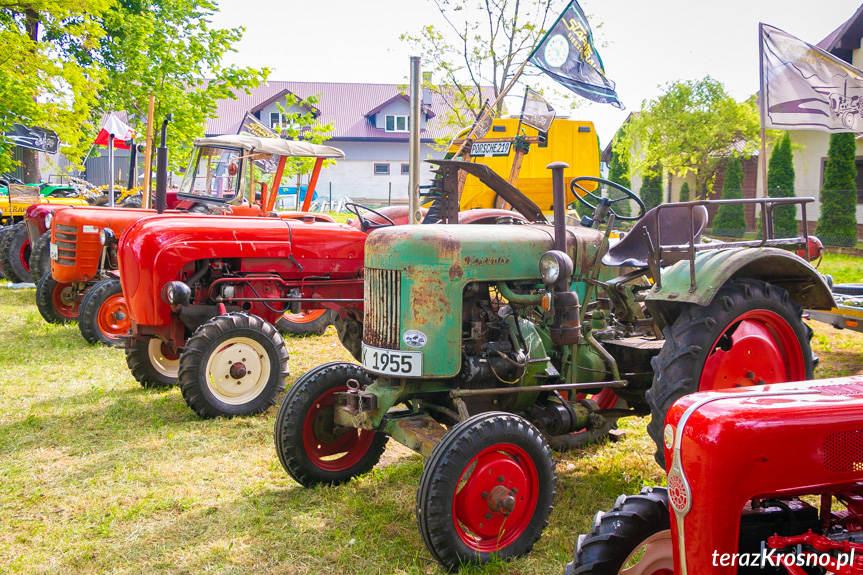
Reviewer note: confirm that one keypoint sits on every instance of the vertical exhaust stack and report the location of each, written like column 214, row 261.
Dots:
column 559, row 193
column 162, row 169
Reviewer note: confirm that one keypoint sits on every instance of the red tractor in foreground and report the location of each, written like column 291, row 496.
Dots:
column 763, row 479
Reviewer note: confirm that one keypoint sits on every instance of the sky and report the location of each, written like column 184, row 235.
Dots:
column 650, row 42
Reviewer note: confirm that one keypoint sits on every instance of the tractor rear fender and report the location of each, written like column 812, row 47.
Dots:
column 804, row 284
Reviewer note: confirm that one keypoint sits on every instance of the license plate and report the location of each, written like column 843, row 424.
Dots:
column 489, row 149
column 53, row 251
column 393, row 362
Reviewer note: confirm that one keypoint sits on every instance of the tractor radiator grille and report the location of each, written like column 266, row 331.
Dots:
column 843, row 452
column 65, row 237
column 382, row 308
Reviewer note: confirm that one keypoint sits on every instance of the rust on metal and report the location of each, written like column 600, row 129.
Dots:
column 418, row 432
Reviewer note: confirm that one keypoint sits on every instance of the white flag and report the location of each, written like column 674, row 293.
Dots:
column 808, row 88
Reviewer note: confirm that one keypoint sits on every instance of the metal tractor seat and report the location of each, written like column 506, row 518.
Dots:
column 633, row 249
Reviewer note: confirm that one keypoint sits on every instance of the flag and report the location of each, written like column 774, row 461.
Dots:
column 115, row 127
column 483, row 122
column 806, row 88
column 251, row 126
column 536, row 112
column 38, row 139
column 567, row 54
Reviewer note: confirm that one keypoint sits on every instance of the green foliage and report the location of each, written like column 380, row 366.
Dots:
column 167, row 48
column 301, row 124
column 691, row 128
column 837, row 225
column 730, row 219
column 651, row 189
column 684, row 192
column 618, row 172
column 780, row 184
column 45, row 80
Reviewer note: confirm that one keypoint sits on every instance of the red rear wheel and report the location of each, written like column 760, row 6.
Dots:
column 25, row 254
column 305, row 316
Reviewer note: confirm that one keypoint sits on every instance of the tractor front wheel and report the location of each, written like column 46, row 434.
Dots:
column 311, row 322
column 56, row 301
column 311, row 447
column 15, row 254
column 153, row 363
column 235, row 364
column 487, row 490
column 103, row 316
column 752, row 333
column 40, row 257
column 634, row 538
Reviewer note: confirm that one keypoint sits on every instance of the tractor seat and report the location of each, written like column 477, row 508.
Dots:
column 674, row 231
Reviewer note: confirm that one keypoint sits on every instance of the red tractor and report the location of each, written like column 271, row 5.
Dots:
column 762, row 479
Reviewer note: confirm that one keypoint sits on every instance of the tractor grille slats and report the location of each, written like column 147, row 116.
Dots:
column 382, row 308
column 66, row 238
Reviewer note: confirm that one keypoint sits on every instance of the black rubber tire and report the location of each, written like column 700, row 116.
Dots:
column 619, row 533
column 288, row 429
column 100, row 200
column 143, row 370
column 132, row 202
column 848, row 289
column 677, row 368
column 40, row 256
column 209, row 339
column 88, row 312
column 45, row 301
column 10, row 254
column 315, row 327
column 444, row 469
column 3, row 231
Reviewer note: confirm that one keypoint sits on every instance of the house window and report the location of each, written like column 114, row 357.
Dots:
column 275, row 119
column 858, row 179
column 406, row 169
column 382, row 169
column 398, row 123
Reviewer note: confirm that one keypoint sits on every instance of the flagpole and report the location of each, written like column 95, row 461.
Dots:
column 763, row 113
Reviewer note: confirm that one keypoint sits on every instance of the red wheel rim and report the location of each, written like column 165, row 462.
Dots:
column 113, row 316
column 166, row 351
column 759, row 346
column 478, row 522
column 64, row 300
column 320, row 441
column 304, row 316
column 25, row 255
column 606, row 398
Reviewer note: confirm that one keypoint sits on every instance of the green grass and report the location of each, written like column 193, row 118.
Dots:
column 844, row 269
column 100, row 475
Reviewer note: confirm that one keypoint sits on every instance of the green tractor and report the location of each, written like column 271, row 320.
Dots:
column 482, row 347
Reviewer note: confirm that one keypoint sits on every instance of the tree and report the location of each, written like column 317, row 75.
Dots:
column 837, row 225
column 618, row 172
column 730, row 219
column 651, row 188
column 691, row 128
column 302, row 124
column 684, row 192
column 483, row 43
column 167, row 48
column 780, row 184
column 43, row 80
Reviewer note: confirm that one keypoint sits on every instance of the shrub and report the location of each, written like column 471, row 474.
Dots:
column 684, row 192
column 837, row 225
column 651, row 189
column 730, row 219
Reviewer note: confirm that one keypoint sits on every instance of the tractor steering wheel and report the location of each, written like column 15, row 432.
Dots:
column 574, row 184
column 365, row 224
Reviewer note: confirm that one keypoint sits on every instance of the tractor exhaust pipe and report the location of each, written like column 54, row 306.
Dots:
column 559, row 193
column 162, row 169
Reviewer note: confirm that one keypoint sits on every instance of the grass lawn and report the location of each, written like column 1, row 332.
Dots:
column 98, row 475
column 844, row 269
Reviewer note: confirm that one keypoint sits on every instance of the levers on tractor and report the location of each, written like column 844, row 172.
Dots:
column 761, row 480
column 479, row 343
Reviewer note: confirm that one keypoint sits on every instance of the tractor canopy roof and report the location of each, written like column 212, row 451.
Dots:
column 275, row 146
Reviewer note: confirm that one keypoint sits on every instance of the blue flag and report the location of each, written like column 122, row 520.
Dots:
column 567, row 54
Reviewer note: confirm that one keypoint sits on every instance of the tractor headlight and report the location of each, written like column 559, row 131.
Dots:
column 48, row 217
column 176, row 293
column 554, row 266
column 106, row 236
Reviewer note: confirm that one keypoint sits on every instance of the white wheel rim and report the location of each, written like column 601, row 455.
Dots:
column 658, row 555
column 166, row 366
column 223, row 379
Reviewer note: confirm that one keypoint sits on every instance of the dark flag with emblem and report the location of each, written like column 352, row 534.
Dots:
column 251, row 126
column 567, row 54
column 536, row 112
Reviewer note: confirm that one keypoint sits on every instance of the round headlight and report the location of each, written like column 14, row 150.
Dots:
column 106, row 236
column 48, row 217
column 555, row 266
column 176, row 293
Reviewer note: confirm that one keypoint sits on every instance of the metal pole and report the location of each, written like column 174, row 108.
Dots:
column 390, row 195
column 111, row 170
column 148, row 154
column 762, row 97
column 331, row 196
column 414, row 158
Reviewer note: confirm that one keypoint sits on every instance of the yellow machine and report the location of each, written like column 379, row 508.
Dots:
column 571, row 141
column 21, row 197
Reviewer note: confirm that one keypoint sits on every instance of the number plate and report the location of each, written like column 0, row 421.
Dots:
column 489, row 149
column 53, row 251
column 393, row 362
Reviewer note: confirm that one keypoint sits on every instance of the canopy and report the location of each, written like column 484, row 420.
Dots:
column 115, row 127
column 276, row 146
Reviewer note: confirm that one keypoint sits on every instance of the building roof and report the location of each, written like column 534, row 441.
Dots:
column 842, row 41
column 346, row 106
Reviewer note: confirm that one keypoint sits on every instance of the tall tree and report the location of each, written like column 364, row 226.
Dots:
column 618, row 172
column 684, row 192
column 837, row 225
column 44, row 82
column 168, row 48
column 780, row 184
column 651, row 188
column 691, row 128
column 730, row 218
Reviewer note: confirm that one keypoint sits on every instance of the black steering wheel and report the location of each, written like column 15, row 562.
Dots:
column 574, row 185
column 366, row 225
